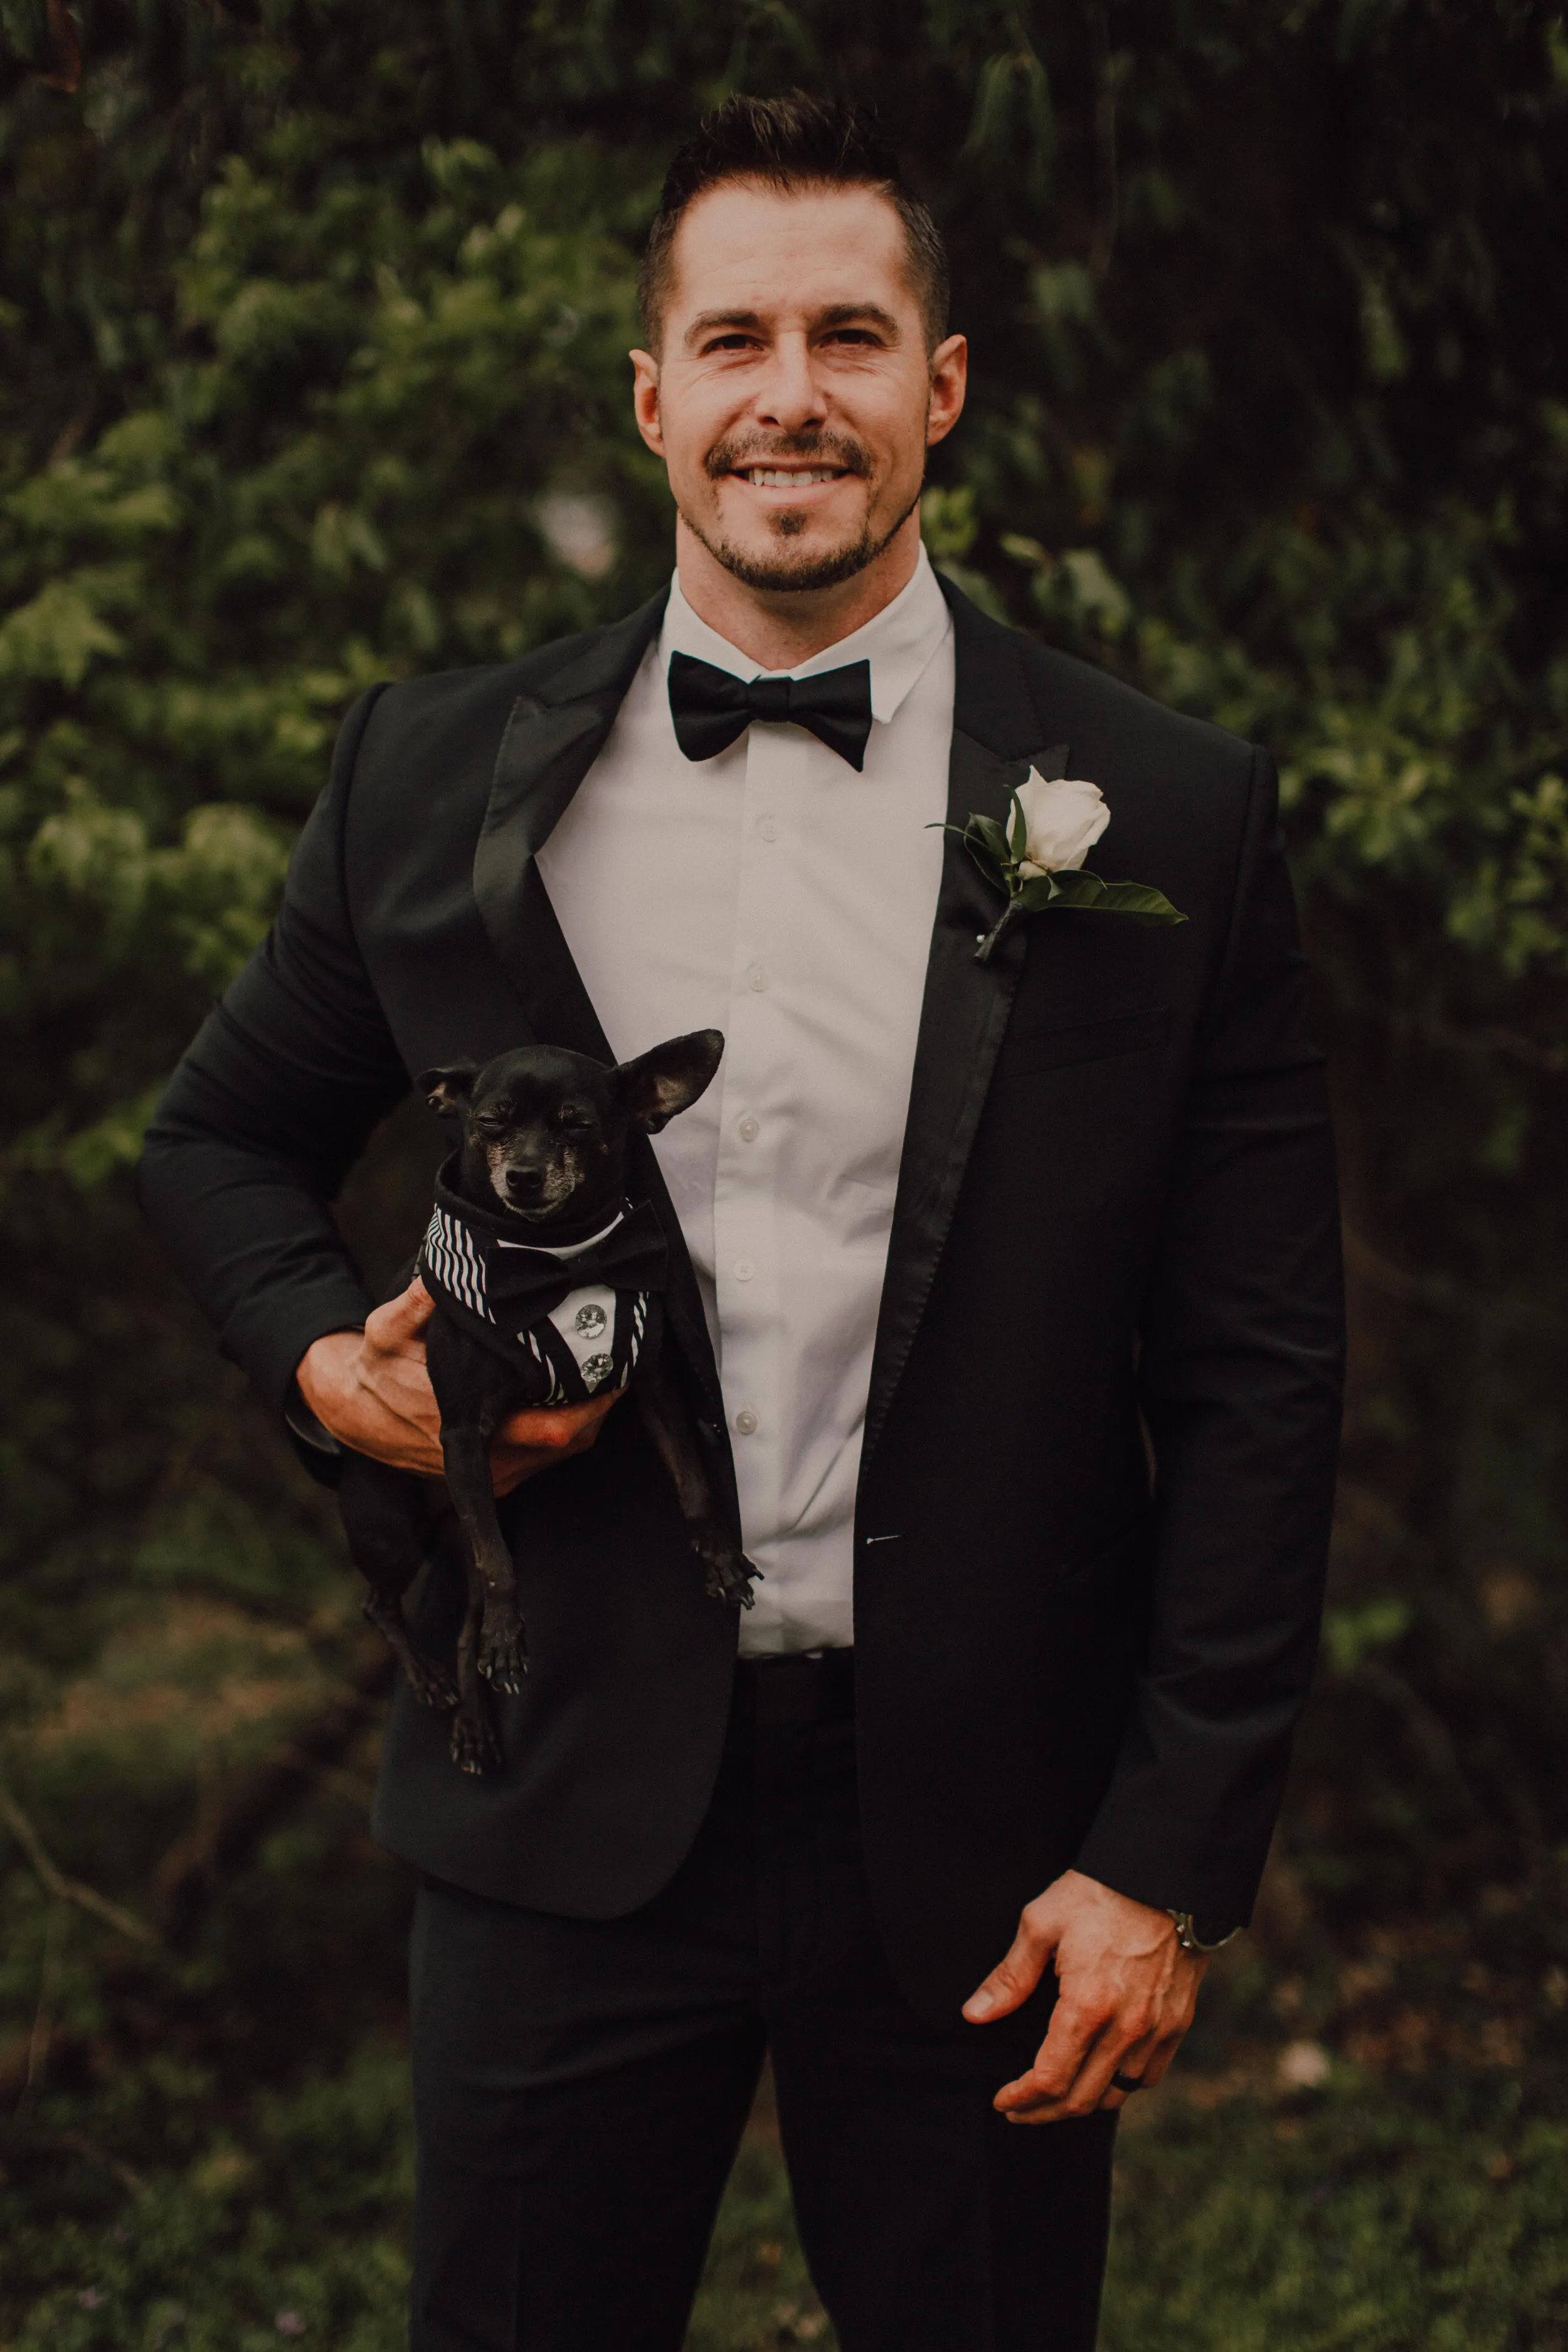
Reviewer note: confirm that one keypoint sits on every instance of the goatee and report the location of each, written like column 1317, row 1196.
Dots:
column 807, row 568
column 802, row 571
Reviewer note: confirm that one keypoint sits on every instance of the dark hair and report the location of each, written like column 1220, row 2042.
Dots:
column 792, row 142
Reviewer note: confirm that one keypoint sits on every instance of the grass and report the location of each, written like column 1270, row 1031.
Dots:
column 1413, row 2216
column 1406, row 2218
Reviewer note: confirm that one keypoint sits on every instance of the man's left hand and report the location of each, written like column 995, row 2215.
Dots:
column 1127, row 1994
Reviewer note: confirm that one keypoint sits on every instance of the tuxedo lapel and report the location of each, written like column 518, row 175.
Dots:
column 552, row 739
column 963, row 1014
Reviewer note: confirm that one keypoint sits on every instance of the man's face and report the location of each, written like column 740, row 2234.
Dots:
column 794, row 399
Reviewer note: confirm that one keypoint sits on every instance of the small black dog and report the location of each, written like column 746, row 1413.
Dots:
column 548, row 1288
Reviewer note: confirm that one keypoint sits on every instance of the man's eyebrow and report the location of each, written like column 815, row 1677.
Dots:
column 840, row 314
column 862, row 314
column 707, row 322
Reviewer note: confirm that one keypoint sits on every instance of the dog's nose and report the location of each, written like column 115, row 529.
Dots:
column 525, row 1183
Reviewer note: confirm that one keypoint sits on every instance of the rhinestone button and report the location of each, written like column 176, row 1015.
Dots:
column 746, row 1422
column 750, row 1127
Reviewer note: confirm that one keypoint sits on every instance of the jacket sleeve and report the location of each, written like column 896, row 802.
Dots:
column 1241, row 1373
column 269, row 1108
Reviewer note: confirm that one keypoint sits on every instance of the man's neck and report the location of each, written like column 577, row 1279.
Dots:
column 779, row 628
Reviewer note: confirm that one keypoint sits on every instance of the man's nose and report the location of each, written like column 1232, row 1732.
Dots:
column 790, row 397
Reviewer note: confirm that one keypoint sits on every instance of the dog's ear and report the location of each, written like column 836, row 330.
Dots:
column 667, row 1079
column 448, row 1089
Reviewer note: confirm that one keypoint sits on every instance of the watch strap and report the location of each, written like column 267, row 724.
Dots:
column 1196, row 1934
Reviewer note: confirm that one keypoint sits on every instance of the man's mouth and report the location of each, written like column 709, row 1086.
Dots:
column 788, row 477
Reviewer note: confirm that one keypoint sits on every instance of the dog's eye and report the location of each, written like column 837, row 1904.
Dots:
column 573, row 1118
column 489, row 1124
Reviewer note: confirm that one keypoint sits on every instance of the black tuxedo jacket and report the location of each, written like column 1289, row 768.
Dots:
column 1100, row 1439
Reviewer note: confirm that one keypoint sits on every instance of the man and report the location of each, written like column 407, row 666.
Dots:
column 962, row 1248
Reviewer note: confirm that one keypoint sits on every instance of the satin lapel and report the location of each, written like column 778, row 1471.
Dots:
column 552, row 739
column 963, row 1014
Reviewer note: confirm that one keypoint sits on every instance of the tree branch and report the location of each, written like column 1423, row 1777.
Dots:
column 69, row 1890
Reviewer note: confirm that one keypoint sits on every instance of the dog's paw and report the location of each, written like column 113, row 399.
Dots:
column 432, row 1686
column 730, row 1575
column 474, row 1748
column 503, row 1659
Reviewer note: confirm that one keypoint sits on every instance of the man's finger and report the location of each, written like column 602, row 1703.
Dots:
column 1160, row 2060
column 1041, row 2098
column 401, row 1319
column 1013, row 1978
column 1034, row 2100
column 552, row 1428
column 1061, row 2058
column 1132, row 2074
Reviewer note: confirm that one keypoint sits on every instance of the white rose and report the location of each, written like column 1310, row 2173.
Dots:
column 1064, row 819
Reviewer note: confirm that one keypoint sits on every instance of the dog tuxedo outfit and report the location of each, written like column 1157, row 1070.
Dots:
column 569, row 1321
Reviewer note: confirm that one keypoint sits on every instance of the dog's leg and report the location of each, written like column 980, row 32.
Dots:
column 387, row 1518
column 667, row 1422
column 431, row 1684
column 503, row 1654
column 474, row 1746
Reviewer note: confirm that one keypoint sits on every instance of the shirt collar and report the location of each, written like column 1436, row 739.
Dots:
column 564, row 1250
column 898, row 642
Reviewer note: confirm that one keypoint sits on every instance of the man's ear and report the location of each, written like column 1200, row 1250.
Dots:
column 668, row 1077
column 448, row 1089
column 645, row 399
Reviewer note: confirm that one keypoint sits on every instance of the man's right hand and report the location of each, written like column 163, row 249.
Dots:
column 370, row 1388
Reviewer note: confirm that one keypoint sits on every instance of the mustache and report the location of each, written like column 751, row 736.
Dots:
column 816, row 448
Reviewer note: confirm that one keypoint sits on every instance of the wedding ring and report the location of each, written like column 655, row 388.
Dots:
column 1120, row 2082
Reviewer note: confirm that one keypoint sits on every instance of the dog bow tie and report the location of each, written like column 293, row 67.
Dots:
column 528, row 1283
column 470, row 1254
column 709, row 708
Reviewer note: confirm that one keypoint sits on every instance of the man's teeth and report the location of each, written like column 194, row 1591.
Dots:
column 773, row 477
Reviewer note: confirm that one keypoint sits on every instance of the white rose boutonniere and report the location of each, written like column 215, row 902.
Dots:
column 1036, row 860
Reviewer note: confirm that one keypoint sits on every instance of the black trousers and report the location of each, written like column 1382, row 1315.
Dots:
column 581, row 2087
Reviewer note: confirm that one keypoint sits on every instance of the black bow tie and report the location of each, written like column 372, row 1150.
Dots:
column 526, row 1283
column 520, row 1284
column 709, row 708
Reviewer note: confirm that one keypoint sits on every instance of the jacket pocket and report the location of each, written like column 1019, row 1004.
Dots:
column 1087, row 1040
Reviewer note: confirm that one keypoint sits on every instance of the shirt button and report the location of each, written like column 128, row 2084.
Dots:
column 746, row 1422
column 745, row 1269
column 757, row 978
column 749, row 1129
column 768, row 826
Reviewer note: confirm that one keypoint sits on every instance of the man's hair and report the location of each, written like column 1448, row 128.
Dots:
column 790, row 143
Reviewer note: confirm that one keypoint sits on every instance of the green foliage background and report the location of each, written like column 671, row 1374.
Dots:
column 314, row 319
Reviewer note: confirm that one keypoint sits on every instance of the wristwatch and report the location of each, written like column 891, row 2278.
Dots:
column 1196, row 1934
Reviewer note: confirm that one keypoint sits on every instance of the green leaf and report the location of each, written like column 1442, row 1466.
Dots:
column 986, row 829
column 1038, row 893
column 1018, row 828
column 991, row 867
column 1086, row 891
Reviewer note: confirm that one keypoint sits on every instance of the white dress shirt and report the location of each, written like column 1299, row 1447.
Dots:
column 774, row 894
